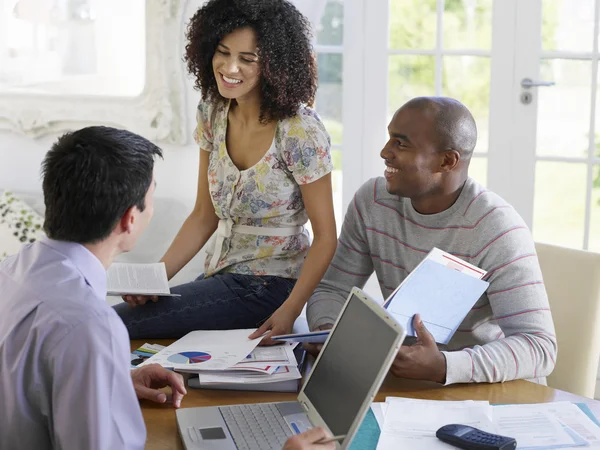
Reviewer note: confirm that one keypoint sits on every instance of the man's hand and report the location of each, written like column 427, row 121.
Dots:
column 309, row 440
column 423, row 360
column 149, row 379
column 315, row 349
column 280, row 322
column 135, row 300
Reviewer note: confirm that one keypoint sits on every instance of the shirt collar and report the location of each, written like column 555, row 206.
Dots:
column 84, row 261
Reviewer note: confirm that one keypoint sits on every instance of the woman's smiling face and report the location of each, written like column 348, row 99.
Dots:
column 236, row 64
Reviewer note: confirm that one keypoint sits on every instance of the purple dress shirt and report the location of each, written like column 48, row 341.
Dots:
column 65, row 381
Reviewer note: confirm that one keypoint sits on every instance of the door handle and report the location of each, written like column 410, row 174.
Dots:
column 527, row 83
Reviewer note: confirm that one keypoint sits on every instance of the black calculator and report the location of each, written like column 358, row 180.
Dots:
column 469, row 438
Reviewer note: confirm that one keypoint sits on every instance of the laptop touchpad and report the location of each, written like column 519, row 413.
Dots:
column 209, row 434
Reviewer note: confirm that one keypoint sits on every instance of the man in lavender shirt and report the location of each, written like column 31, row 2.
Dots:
column 65, row 380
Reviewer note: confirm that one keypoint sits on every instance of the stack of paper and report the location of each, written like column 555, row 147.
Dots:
column 409, row 423
column 146, row 351
column 265, row 365
column 228, row 359
column 413, row 423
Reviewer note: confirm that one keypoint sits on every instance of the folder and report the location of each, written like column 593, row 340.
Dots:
column 442, row 289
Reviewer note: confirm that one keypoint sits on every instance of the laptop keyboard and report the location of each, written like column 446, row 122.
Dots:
column 258, row 426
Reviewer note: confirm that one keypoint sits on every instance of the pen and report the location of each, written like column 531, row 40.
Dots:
column 331, row 439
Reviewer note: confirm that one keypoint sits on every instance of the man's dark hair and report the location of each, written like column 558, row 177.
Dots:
column 287, row 63
column 454, row 124
column 91, row 177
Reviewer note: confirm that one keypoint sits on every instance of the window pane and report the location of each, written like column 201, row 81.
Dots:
column 594, row 243
column 413, row 24
column 329, row 95
column 478, row 169
column 331, row 28
column 409, row 76
column 564, row 109
column 467, row 79
column 559, row 203
column 336, row 181
column 468, row 24
column 568, row 25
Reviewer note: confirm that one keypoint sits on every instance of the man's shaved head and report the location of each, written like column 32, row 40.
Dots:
column 453, row 123
column 427, row 156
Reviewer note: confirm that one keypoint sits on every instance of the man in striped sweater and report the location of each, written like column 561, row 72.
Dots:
column 425, row 200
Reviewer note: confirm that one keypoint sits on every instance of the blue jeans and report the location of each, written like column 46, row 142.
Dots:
column 221, row 302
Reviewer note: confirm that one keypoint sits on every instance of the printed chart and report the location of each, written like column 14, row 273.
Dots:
column 189, row 357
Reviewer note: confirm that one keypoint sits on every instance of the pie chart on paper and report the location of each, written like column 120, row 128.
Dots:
column 189, row 357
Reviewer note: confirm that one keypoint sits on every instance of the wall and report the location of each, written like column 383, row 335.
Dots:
column 20, row 159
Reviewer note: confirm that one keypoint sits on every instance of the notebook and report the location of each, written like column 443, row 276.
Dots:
column 442, row 289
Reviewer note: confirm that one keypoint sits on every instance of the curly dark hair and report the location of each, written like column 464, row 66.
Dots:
column 288, row 67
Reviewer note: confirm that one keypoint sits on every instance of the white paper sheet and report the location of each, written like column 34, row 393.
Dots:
column 412, row 424
column 206, row 350
column 533, row 426
column 281, row 355
column 452, row 262
column 379, row 409
column 573, row 417
column 141, row 279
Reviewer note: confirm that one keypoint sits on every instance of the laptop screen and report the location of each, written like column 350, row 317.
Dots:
column 355, row 352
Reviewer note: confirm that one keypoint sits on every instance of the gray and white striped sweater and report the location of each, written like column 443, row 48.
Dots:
column 509, row 333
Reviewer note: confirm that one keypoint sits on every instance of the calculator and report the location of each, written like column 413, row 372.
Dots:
column 470, row 438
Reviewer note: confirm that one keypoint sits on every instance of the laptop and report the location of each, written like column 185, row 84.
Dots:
column 336, row 396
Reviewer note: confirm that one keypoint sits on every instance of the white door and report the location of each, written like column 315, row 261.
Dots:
column 538, row 145
column 551, row 169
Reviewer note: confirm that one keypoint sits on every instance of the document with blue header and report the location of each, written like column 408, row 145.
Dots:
column 442, row 289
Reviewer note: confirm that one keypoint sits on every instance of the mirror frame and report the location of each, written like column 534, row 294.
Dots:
column 157, row 113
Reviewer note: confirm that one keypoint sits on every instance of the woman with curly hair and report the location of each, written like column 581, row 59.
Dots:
column 265, row 169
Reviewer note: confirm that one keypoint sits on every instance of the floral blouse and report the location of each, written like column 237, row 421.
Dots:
column 264, row 195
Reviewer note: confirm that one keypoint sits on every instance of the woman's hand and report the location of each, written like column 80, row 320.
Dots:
column 134, row 300
column 280, row 322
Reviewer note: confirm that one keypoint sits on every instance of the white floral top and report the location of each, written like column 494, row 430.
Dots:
column 264, row 195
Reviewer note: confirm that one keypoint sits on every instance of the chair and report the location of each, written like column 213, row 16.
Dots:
column 572, row 280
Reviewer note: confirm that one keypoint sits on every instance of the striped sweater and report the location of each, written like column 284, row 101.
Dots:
column 508, row 334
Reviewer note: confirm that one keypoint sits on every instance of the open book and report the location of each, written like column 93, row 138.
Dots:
column 138, row 279
column 442, row 289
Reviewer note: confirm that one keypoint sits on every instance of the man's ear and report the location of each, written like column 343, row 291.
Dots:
column 450, row 160
column 128, row 220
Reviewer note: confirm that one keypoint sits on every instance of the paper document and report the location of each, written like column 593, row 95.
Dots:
column 533, row 427
column 281, row 355
column 442, row 296
column 379, row 409
column 454, row 263
column 206, row 350
column 137, row 279
column 283, row 373
column 412, row 424
column 574, row 418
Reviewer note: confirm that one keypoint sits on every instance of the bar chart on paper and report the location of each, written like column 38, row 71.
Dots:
column 189, row 357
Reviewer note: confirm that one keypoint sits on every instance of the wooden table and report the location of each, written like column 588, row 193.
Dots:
column 162, row 427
